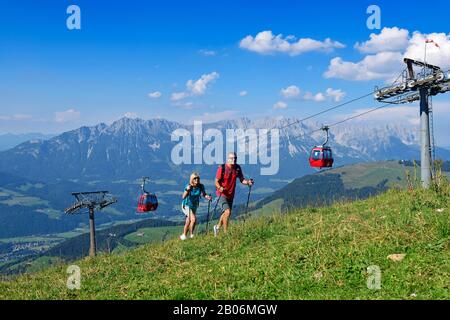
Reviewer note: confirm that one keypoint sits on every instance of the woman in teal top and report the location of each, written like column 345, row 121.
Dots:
column 191, row 200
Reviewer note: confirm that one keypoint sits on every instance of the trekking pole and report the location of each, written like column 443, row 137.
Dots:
column 248, row 198
column 207, row 215
column 212, row 213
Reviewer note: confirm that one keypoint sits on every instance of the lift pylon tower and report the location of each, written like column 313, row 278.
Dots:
column 92, row 201
column 430, row 81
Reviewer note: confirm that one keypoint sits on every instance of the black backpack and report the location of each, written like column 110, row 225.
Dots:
column 238, row 169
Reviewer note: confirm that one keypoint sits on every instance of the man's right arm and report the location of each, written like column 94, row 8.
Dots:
column 217, row 181
column 218, row 186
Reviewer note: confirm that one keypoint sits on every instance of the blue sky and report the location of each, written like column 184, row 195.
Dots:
column 54, row 79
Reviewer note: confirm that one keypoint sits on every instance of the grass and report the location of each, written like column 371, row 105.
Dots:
column 18, row 199
column 9, row 193
column 271, row 208
column 24, row 201
column 263, row 190
column 371, row 174
column 51, row 213
column 155, row 234
column 38, row 264
column 27, row 239
column 69, row 234
column 113, row 211
column 42, row 263
column 313, row 253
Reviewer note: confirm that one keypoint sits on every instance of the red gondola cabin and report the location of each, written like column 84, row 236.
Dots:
column 147, row 202
column 321, row 157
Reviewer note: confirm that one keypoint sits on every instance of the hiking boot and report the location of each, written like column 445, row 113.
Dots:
column 183, row 237
column 216, row 230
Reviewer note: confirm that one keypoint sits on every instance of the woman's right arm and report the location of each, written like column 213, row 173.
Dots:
column 186, row 192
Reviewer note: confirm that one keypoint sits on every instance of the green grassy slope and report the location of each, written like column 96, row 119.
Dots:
column 320, row 253
column 356, row 181
column 372, row 173
column 152, row 235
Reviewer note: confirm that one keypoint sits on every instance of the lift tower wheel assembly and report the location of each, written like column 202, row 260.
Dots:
column 92, row 201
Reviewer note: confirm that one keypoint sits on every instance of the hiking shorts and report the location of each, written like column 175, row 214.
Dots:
column 225, row 204
column 186, row 210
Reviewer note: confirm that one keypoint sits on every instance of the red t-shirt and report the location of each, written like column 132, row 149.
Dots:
column 229, row 180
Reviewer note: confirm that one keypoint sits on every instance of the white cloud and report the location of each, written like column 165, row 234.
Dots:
column 177, row 96
column 215, row 117
column 16, row 117
column 280, row 105
column 207, row 53
column 195, row 88
column 406, row 114
column 437, row 56
column 198, row 88
column 337, row 95
column 290, row 92
column 294, row 92
column 266, row 42
column 318, row 97
column 389, row 39
column 441, row 119
column 22, row 117
column 69, row 115
column 185, row 105
column 131, row 115
column 389, row 48
column 243, row 93
column 155, row 95
column 383, row 65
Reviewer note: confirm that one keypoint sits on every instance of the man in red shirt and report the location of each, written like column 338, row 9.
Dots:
column 226, row 185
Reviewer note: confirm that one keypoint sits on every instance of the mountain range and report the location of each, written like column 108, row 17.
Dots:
column 130, row 148
column 9, row 140
column 37, row 176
